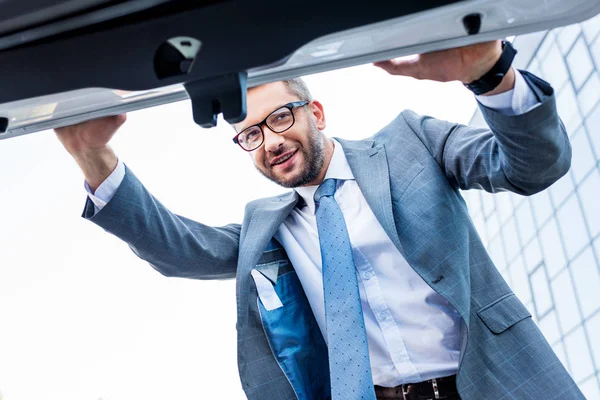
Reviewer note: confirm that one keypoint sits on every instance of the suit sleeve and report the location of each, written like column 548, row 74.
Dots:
column 523, row 153
column 175, row 246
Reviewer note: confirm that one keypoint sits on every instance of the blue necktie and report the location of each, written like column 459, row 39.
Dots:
column 349, row 364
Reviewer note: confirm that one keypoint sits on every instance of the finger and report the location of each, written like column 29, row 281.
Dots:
column 401, row 66
column 120, row 119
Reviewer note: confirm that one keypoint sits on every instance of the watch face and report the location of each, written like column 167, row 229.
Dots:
column 64, row 62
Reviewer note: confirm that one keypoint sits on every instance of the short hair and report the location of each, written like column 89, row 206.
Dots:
column 298, row 87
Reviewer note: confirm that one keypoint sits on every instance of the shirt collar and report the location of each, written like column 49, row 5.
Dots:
column 338, row 169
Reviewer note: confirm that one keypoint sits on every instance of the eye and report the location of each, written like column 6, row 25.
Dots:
column 284, row 115
column 249, row 135
column 280, row 118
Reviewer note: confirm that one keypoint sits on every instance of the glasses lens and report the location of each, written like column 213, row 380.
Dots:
column 250, row 138
column 280, row 120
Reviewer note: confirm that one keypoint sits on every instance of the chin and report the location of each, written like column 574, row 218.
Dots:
column 287, row 181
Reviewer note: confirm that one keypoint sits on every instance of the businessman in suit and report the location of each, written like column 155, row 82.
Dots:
column 368, row 279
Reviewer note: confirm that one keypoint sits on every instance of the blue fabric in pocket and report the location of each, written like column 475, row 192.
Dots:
column 296, row 340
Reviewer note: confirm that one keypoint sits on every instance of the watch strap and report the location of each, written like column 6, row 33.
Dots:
column 494, row 76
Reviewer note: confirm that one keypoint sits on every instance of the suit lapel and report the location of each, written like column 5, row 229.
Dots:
column 371, row 171
column 263, row 225
column 370, row 168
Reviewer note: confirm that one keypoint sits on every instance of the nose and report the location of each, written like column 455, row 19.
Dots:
column 272, row 140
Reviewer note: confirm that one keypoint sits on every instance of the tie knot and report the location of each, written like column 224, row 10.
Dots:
column 327, row 188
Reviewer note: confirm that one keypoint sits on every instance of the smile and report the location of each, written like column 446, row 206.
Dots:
column 281, row 159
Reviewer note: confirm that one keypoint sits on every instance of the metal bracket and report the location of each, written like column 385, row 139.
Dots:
column 3, row 124
column 222, row 94
column 472, row 23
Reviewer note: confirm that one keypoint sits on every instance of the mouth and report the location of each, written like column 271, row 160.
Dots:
column 284, row 160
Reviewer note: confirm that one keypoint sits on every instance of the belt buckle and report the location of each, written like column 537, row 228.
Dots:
column 436, row 392
column 405, row 392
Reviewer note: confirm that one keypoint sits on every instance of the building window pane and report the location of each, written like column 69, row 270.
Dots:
column 591, row 28
column 587, row 281
column 533, row 255
column 583, row 159
column 480, row 226
column 592, row 327
column 565, row 303
column 579, row 355
column 487, row 200
column 566, row 36
column 574, row 232
column 559, row 350
column 593, row 126
column 554, row 68
column 497, row 253
column 511, row 240
column 541, row 294
column 473, row 201
column 595, row 50
column 525, row 222
column 566, row 103
column 589, row 94
column 588, row 193
column 552, row 247
column 580, row 63
column 549, row 327
column 542, row 207
column 534, row 67
column 493, row 226
column 590, row 387
column 545, row 46
column 573, row 124
column 506, row 276
column 520, row 280
column 561, row 189
column 504, row 206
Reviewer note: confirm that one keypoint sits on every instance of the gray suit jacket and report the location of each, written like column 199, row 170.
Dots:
column 411, row 173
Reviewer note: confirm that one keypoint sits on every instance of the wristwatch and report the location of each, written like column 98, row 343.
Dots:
column 494, row 76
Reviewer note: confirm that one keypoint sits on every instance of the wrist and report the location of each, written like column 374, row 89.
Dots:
column 481, row 66
column 500, row 77
column 508, row 83
column 96, row 165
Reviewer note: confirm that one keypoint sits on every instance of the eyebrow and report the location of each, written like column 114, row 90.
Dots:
column 269, row 113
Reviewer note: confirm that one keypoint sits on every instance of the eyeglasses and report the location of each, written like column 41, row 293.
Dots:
column 278, row 121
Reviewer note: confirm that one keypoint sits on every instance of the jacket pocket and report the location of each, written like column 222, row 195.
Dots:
column 295, row 339
column 503, row 313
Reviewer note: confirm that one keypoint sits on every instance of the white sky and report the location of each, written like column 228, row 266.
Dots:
column 81, row 317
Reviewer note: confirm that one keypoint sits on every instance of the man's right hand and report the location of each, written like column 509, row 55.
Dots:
column 87, row 142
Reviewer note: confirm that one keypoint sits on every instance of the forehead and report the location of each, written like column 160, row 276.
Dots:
column 263, row 99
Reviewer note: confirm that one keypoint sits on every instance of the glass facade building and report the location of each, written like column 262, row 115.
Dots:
column 547, row 246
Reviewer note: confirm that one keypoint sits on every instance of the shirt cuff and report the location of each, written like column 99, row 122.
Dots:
column 516, row 101
column 107, row 189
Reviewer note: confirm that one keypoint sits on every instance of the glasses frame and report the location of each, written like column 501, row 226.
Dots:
column 290, row 106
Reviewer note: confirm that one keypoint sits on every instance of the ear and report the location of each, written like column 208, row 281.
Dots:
column 316, row 109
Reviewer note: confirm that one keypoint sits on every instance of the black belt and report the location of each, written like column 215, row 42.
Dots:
column 440, row 388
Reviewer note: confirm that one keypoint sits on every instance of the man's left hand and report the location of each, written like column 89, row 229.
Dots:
column 465, row 64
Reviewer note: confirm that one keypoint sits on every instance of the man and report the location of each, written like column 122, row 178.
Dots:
column 368, row 280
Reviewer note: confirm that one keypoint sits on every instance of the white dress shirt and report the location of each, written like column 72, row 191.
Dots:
column 413, row 333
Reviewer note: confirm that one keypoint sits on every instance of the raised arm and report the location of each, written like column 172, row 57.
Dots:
column 523, row 153
column 173, row 245
column 527, row 148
